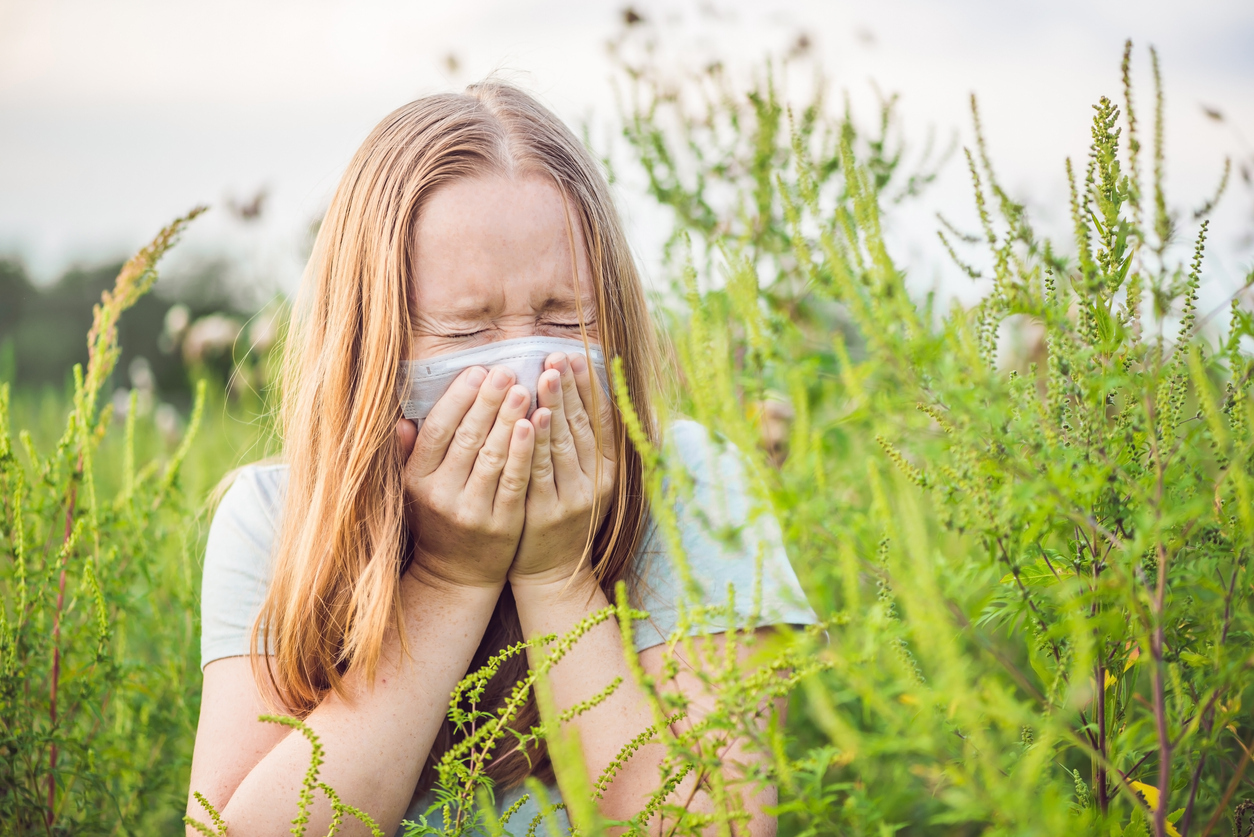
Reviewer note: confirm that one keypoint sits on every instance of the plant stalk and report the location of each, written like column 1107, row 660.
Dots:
column 56, row 649
column 1160, row 702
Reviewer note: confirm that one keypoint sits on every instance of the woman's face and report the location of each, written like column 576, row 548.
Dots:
column 492, row 261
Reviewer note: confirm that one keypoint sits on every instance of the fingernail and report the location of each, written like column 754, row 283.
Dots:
column 474, row 378
column 554, row 383
column 560, row 363
column 501, row 377
column 579, row 364
column 517, row 397
column 542, row 419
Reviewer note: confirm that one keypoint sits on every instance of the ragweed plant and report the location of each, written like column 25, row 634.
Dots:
column 1037, row 576
column 88, row 701
column 1033, row 572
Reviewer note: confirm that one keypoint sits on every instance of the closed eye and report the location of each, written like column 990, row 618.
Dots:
column 466, row 334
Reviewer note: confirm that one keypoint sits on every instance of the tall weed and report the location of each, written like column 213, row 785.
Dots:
column 96, row 620
column 1033, row 571
column 1039, row 576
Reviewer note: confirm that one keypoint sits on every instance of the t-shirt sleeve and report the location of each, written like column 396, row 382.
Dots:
column 726, row 536
column 237, row 564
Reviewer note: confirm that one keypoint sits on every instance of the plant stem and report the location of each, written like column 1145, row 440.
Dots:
column 56, row 651
column 1160, row 703
column 1099, row 775
column 1232, row 788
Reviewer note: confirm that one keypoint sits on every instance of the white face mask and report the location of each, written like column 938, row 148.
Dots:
column 422, row 382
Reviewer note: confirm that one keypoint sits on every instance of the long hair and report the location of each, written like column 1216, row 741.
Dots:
column 343, row 542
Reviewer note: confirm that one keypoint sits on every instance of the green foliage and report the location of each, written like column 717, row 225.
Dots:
column 1033, row 570
column 1038, row 572
column 99, row 556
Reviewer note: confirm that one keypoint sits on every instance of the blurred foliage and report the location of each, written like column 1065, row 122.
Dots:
column 190, row 326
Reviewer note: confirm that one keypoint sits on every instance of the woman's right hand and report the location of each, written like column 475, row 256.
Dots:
column 466, row 476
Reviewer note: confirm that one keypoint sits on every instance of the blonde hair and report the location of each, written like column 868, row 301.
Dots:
column 343, row 541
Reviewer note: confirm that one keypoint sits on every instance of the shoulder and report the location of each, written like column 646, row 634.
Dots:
column 695, row 446
column 238, row 559
column 715, row 543
column 247, row 518
column 255, row 491
column 713, row 468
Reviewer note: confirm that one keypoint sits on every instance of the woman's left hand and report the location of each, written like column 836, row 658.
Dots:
column 569, row 472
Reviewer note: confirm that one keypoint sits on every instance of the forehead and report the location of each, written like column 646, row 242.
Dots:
column 497, row 243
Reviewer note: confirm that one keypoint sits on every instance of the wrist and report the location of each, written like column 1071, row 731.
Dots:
column 454, row 588
column 554, row 603
column 559, row 582
column 470, row 570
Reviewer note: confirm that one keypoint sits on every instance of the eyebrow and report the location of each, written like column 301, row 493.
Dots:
column 565, row 305
column 456, row 317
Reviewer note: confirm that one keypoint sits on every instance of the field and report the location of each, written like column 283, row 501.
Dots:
column 1034, row 571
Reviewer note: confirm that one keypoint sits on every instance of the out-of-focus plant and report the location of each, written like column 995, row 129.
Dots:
column 716, row 152
column 96, row 623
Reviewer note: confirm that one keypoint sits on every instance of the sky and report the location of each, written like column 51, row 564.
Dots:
column 115, row 117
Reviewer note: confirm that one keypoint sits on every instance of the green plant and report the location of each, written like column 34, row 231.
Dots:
column 1043, row 621
column 1033, row 571
column 89, row 699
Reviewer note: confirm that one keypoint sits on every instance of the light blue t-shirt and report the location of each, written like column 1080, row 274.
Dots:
column 723, row 534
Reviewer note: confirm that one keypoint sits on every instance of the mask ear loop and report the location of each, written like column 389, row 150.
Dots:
column 595, row 406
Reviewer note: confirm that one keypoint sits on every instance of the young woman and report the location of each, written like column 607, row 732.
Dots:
column 357, row 582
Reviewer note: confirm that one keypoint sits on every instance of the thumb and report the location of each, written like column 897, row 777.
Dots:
column 406, row 436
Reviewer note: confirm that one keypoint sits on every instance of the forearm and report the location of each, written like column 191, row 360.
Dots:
column 588, row 668
column 377, row 738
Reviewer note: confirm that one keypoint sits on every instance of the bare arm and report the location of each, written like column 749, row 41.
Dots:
column 466, row 478
column 375, row 743
column 590, row 666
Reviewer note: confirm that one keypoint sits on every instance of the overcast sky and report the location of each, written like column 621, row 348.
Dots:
column 116, row 116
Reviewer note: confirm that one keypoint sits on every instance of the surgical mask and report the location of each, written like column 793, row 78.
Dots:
column 422, row 382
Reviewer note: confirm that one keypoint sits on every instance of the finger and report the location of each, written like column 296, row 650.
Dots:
column 472, row 433
column 566, row 470
column 541, row 486
column 491, row 458
column 406, row 436
column 511, row 489
column 590, row 389
column 553, row 366
column 577, row 418
column 442, row 422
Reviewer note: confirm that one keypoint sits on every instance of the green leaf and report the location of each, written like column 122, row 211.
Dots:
column 1195, row 660
column 1039, row 574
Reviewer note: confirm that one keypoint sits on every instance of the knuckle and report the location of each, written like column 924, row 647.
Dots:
column 433, row 427
column 544, row 468
column 579, row 423
column 465, row 440
column 512, row 483
column 468, row 520
column 491, row 458
column 563, row 445
column 584, row 501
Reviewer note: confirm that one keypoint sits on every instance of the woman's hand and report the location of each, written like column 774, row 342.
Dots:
column 466, row 478
column 569, row 472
